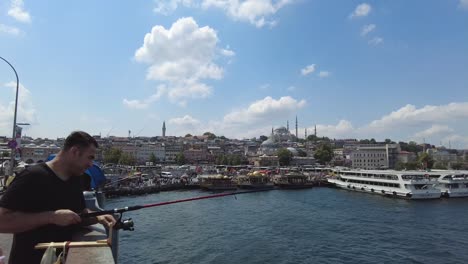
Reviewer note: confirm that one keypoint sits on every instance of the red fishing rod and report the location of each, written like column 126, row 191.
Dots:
column 128, row 224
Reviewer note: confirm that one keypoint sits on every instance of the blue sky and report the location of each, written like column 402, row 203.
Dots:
column 356, row 69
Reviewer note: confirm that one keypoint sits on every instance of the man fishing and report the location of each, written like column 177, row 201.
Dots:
column 44, row 201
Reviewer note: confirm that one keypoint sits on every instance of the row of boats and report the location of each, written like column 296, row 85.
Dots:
column 259, row 180
column 403, row 184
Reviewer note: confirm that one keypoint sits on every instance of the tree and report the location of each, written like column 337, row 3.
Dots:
column 180, row 159
column 456, row 165
column 426, row 161
column 188, row 135
column 440, row 166
column 127, row 159
column 284, row 157
column 210, row 135
column 312, row 138
column 301, row 153
column 324, row 153
column 389, row 141
column 153, row 158
column 112, row 155
column 263, row 138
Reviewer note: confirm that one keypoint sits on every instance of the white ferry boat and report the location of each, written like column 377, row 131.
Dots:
column 401, row 184
column 452, row 183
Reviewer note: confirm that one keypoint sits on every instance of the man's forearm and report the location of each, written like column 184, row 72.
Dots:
column 17, row 222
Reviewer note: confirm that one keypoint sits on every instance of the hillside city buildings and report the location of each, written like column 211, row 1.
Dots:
column 208, row 149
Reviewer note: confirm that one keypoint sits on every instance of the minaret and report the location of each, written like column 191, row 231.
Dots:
column 129, row 133
column 287, row 125
column 315, row 130
column 164, row 129
column 296, row 128
column 272, row 130
column 305, row 133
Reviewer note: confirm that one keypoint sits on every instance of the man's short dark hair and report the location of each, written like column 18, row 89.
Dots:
column 80, row 139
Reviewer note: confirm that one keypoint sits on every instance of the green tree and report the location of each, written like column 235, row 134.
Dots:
column 312, row 138
column 263, row 138
column 127, row 159
column 440, row 166
column 324, row 153
column 389, row 141
column 426, row 161
column 412, row 165
column 153, row 158
column 112, row 155
column 180, row 159
column 284, row 157
column 188, row 135
column 5, row 154
column 210, row 135
column 301, row 153
column 456, row 166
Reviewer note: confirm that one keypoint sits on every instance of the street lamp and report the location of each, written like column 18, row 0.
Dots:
column 13, row 138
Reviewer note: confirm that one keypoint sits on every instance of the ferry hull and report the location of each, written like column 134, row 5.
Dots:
column 386, row 192
column 455, row 194
column 256, row 186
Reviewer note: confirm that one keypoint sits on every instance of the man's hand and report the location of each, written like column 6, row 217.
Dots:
column 64, row 217
column 106, row 220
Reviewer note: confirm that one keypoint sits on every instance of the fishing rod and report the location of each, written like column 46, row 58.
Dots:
column 128, row 224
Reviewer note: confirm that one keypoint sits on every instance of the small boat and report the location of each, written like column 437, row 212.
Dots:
column 255, row 180
column 293, row 180
column 216, row 182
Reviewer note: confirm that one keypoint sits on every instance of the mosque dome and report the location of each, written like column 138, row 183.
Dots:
column 270, row 142
column 293, row 151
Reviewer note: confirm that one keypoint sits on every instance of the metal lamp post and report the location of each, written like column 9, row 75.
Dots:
column 13, row 138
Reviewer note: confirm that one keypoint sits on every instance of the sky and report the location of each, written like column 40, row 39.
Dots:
column 354, row 69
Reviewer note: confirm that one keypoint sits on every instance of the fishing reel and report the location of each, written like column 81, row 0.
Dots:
column 125, row 224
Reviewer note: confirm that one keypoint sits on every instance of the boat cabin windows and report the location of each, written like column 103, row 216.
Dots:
column 452, row 186
column 385, row 184
column 420, row 186
column 415, row 177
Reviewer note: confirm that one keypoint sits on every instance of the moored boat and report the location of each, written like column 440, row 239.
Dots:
column 216, row 182
column 255, row 180
column 453, row 183
column 401, row 184
column 293, row 180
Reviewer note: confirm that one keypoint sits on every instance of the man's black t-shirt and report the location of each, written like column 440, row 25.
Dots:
column 38, row 189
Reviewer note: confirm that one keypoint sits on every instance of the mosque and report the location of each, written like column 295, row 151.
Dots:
column 278, row 138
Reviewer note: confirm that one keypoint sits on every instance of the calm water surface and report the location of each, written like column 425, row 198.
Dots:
column 317, row 225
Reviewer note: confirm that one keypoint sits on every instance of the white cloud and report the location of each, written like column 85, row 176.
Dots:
column 308, row 69
column 324, row 74
column 344, row 129
column 26, row 112
column 457, row 141
column 264, row 110
column 9, row 30
column 291, row 88
column 367, row 29
column 186, row 120
column 227, row 52
column 256, row 12
column 181, row 57
column 17, row 11
column 361, row 10
column 376, row 41
column 433, row 130
column 463, row 4
column 145, row 103
column 265, row 86
column 166, row 7
column 410, row 115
